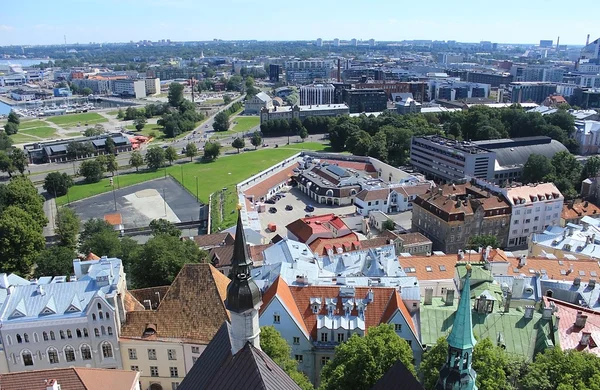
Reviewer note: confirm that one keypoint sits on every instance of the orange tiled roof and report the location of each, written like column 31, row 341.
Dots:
column 569, row 334
column 74, row 378
column 193, row 308
column 113, row 219
column 359, row 166
column 553, row 268
column 414, row 238
column 131, row 303
column 396, row 303
column 347, row 243
column 92, row 256
column 282, row 290
column 261, row 189
column 433, row 267
column 580, row 209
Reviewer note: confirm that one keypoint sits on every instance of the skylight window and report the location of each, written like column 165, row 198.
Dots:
column 581, row 273
column 516, row 270
column 428, row 268
column 563, row 272
column 593, row 273
column 531, row 271
column 442, row 267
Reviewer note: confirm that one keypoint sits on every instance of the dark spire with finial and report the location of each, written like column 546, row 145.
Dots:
column 242, row 293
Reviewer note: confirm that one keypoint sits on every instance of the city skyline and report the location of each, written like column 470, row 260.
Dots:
column 84, row 21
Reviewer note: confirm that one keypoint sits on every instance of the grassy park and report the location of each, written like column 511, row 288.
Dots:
column 226, row 171
column 90, row 118
column 42, row 132
column 22, row 138
column 245, row 123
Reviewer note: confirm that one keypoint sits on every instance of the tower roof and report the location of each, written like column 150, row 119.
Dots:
column 242, row 293
column 461, row 336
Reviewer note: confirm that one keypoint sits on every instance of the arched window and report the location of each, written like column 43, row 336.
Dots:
column 27, row 358
column 85, row 332
column 39, row 355
column 99, row 306
column 110, row 333
column 13, row 358
column 19, row 339
column 62, row 334
column 45, row 336
column 86, row 352
column 107, row 315
column 93, row 316
column 96, row 332
column 53, row 356
column 107, row 351
column 100, row 315
column 69, row 334
column 78, row 333
column 69, row 354
column 26, row 337
column 35, row 337
column 52, row 335
column 103, row 330
column 8, row 340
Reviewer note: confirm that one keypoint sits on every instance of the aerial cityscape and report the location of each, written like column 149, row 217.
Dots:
column 226, row 208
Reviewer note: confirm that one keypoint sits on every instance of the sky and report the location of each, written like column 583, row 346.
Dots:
column 83, row 21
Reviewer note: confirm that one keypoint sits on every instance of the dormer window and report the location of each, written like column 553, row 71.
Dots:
column 315, row 305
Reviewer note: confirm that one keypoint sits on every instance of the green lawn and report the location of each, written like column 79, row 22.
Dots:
column 224, row 172
column 31, row 124
column 42, row 132
column 245, row 123
column 147, row 129
column 22, row 138
column 73, row 134
column 213, row 101
column 90, row 118
column 115, row 112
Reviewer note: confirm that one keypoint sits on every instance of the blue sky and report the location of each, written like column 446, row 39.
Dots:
column 83, row 21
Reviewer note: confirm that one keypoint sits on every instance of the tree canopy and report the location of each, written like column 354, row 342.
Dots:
column 162, row 226
column 155, row 157
column 191, row 150
column 56, row 260
column 21, row 240
column 136, row 160
column 212, row 150
column 67, row 227
column 221, row 121
column 483, row 241
column 57, row 184
column 91, row 170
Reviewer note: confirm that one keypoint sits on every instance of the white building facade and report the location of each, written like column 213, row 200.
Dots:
column 317, row 94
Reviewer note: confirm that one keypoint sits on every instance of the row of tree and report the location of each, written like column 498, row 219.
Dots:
column 12, row 125
column 284, row 127
column 221, row 121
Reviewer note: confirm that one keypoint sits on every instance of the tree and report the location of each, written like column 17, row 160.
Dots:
column 483, row 241
column 212, row 150
column 111, row 164
column 278, row 349
column 56, row 260
column 191, row 150
column 171, row 154
column 57, row 184
column 11, row 128
column 162, row 226
column 86, row 91
column 21, row 240
column 104, row 243
column 109, row 146
column 13, row 118
column 175, row 96
column 6, row 164
column 140, row 123
column 91, row 170
column 161, row 258
column 94, row 131
column 21, row 192
column 238, row 143
column 227, row 99
column 591, row 168
column 92, row 227
column 5, row 141
column 361, row 361
column 155, row 157
column 221, row 122
column 136, row 160
column 537, row 169
column 432, row 362
column 120, row 114
column 67, row 227
column 388, row 224
column 256, row 139
column 303, row 133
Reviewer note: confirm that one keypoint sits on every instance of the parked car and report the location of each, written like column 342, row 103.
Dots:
column 272, row 210
column 289, row 207
column 270, row 201
column 309, row 208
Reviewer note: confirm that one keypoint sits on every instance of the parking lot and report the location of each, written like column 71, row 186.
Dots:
column 298, row 201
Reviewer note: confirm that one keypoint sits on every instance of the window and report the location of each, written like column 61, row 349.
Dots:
column 315, row 309
column 26, row 337
column 85, row 332
column 45, row 336
column 398, row 327
column 132, row 353
column 96, row 332
column 86, row 352
column 99, row 306
column 324, row 337
column 174, row 385
column 299, row 358
column 110, row 332
column 93, row 316
column 103, row 330
column 515, row 231
column 27, row 358
column 62, row 334
column 516, row 222
column 194, row 358
column 537, row 209
column 8, row 340
column 153, row 371
column 174, row 372
column 69, row 354
column 195, row 349
column 53, row 356
column 324, row 360
column 528, row 211
column 19, row 339
column 100, row 315
column 536, row 219
column 172, row 354
column 517, row 212
column 135, row 368
column 152, row 354
column 69, row 334
column 340, row 337
column 409, row 343
column 527, row 220
column 276, row 318
column 107, row 316
column 107, row 351
column 555, row 215
column 296, row 340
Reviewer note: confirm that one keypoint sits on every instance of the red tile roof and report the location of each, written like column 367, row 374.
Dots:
column 569, row 334
column 371, row 195
column 304, row 228
column 359, row 166
column 261, row 189
column 74, row 378
column 282, row 290
column 318, row 245
column 553, row 268
column 580, row 209
column 396, row 304
column 432, row 267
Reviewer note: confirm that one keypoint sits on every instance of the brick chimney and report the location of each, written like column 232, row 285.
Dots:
column 580, row 320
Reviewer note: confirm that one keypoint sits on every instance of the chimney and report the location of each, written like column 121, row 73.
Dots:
column 147, row 304
column 556, row 322
column 428, row 296
column 523, row 260
column 370, row 296
column 507, row 300
column 577, row 282
column 3, row 280
column 11, row 289
column 486, row 253
column 557, row 43
column 52, row 384
column 449, row 301
column 585, row 338
column 580, row 320
column 461, row 254
column 500, row 340
column 529, row 311
column 547, row 314
column 339, row 72
column 587, row 41
column 40, row 290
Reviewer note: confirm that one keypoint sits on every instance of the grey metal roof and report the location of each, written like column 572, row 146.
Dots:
column 398, row 377
column 518, row 155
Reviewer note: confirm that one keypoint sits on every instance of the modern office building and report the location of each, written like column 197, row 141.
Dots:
column 306, row 72
column 457, row 90
column 317, row 94
column 365, row 100
column 419, row 89
column 152, row 86
column 274, row 71
column 546, row 43
column 449, row 58
column 301, row 112
column 129, row 87
column 536, row 92
column 497, row 161
column 493, row 79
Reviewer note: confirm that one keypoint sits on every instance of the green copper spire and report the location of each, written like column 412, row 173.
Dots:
column 461, row 336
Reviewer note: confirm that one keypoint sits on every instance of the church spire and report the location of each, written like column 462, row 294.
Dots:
column 457, row 373
column 243, row 295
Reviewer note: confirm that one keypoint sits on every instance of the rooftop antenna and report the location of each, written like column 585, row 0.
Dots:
column 65, row 43
column 587, row 41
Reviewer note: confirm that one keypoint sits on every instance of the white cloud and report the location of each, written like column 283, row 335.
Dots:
column 4, row 27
